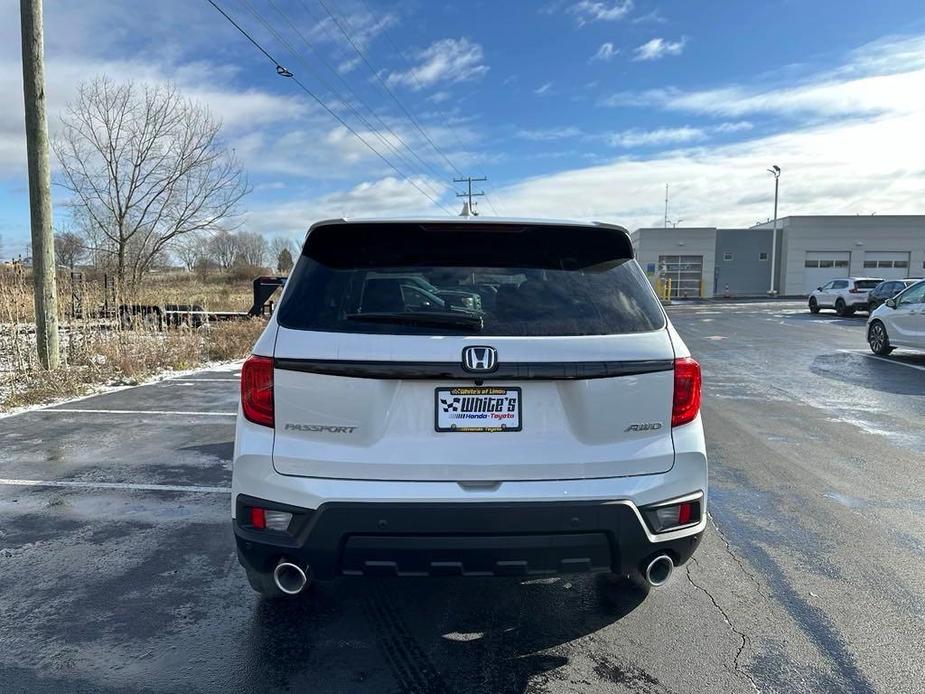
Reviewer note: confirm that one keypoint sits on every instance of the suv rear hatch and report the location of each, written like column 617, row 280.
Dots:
column 570, row 375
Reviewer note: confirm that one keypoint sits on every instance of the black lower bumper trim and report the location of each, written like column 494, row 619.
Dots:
column 464, row 539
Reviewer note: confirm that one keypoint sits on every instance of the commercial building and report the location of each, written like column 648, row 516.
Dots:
column 811, row 250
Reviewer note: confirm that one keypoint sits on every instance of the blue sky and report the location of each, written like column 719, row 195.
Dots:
column 572, row 108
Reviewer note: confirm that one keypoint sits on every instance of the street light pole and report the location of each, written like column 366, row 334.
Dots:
column 774, row 171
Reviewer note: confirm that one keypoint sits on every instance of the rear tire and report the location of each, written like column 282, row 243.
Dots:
column 878, row 339
column 840, row 308
column 813, row 305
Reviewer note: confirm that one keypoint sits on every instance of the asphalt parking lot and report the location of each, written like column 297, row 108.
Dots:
column 118, row 572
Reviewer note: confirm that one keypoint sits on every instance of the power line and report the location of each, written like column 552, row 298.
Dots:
column 491, row 205
column 351, row 91
column 414, row 76
column 404, row 161
column 386, row 88
column 283, row 72
column 411, row 70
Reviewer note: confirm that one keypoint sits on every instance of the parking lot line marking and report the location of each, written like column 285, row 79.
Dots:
column 115, row 485
column 72, row 410
column 168, row 381
column 891, row 361
column 867, row 354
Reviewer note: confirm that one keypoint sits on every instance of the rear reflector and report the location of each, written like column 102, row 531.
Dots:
column 258, row 519
column 257, row 390
column 687, row 384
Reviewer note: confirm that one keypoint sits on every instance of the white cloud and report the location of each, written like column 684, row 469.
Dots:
column 543, row 89
column 549, row 134
column 383, row 197
column 660, row 136
column 848, row 148
column 605, row 52
column 659, row 48
column 240, row 110
column 654, row 17
column 444, row 62
column 733, row 127
column 879, row 78
column 587, row 11
column 363, row 27
column 828, row 169
column 348, row 65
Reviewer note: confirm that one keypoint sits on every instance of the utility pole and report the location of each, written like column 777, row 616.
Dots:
column 774, row 171
column 43, row 246
column 666, row 205
column 469, row 194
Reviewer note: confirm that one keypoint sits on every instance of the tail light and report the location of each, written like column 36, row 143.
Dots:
column 669, row 517
column 687, row 383
column 267, row 519
column 855, row 290
column 257, row 390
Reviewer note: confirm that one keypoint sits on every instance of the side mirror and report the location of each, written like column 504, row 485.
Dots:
column 891, row 303
column 818, row 289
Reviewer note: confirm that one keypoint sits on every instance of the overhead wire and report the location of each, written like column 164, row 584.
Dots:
column 376, row 74
column 298, row 57
column 412, row 71
column 283, row 72
column 382, row 124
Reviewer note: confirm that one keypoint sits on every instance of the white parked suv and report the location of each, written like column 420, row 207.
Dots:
column 467, row 397
column 899, row 322
column 844, row 295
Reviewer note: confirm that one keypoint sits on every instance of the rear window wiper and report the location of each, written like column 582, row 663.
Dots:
column 441, row 319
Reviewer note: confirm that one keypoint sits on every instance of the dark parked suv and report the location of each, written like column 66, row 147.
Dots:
column 887, row 290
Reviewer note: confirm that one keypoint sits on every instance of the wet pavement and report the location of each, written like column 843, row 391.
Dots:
column 117, row 567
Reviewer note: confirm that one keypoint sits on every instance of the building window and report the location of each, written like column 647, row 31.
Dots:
column 727, row 255
column 841, row 263
column 870, row 263
column 763, row 255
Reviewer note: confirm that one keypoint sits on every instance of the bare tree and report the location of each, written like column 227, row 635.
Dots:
column 223, row 249
column 190, row 249
column 252, row 249
column 145, row 165
column 278, row 244
column 69, row 248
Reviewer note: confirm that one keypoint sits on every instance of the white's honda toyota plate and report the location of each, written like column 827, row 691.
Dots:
column 478, row 409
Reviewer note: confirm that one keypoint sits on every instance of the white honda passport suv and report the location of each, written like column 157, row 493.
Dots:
column 467, row 397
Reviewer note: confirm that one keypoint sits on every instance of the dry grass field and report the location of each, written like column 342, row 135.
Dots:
column 95, row 351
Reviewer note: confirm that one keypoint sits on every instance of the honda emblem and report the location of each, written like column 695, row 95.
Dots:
column 479, row 359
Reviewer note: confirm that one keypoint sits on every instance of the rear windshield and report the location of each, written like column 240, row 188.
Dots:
column 460, row 278
column 867, row 284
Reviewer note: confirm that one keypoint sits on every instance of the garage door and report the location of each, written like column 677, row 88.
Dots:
column 824, row 266
column 888, row 265
column 685, row 273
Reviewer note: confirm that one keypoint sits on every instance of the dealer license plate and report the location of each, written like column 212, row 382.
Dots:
column 472, row 409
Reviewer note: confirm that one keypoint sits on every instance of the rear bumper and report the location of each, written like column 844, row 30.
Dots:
column 462, row 539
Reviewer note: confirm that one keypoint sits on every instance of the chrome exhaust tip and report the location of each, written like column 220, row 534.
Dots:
column 290, row 578
column 659, row 570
